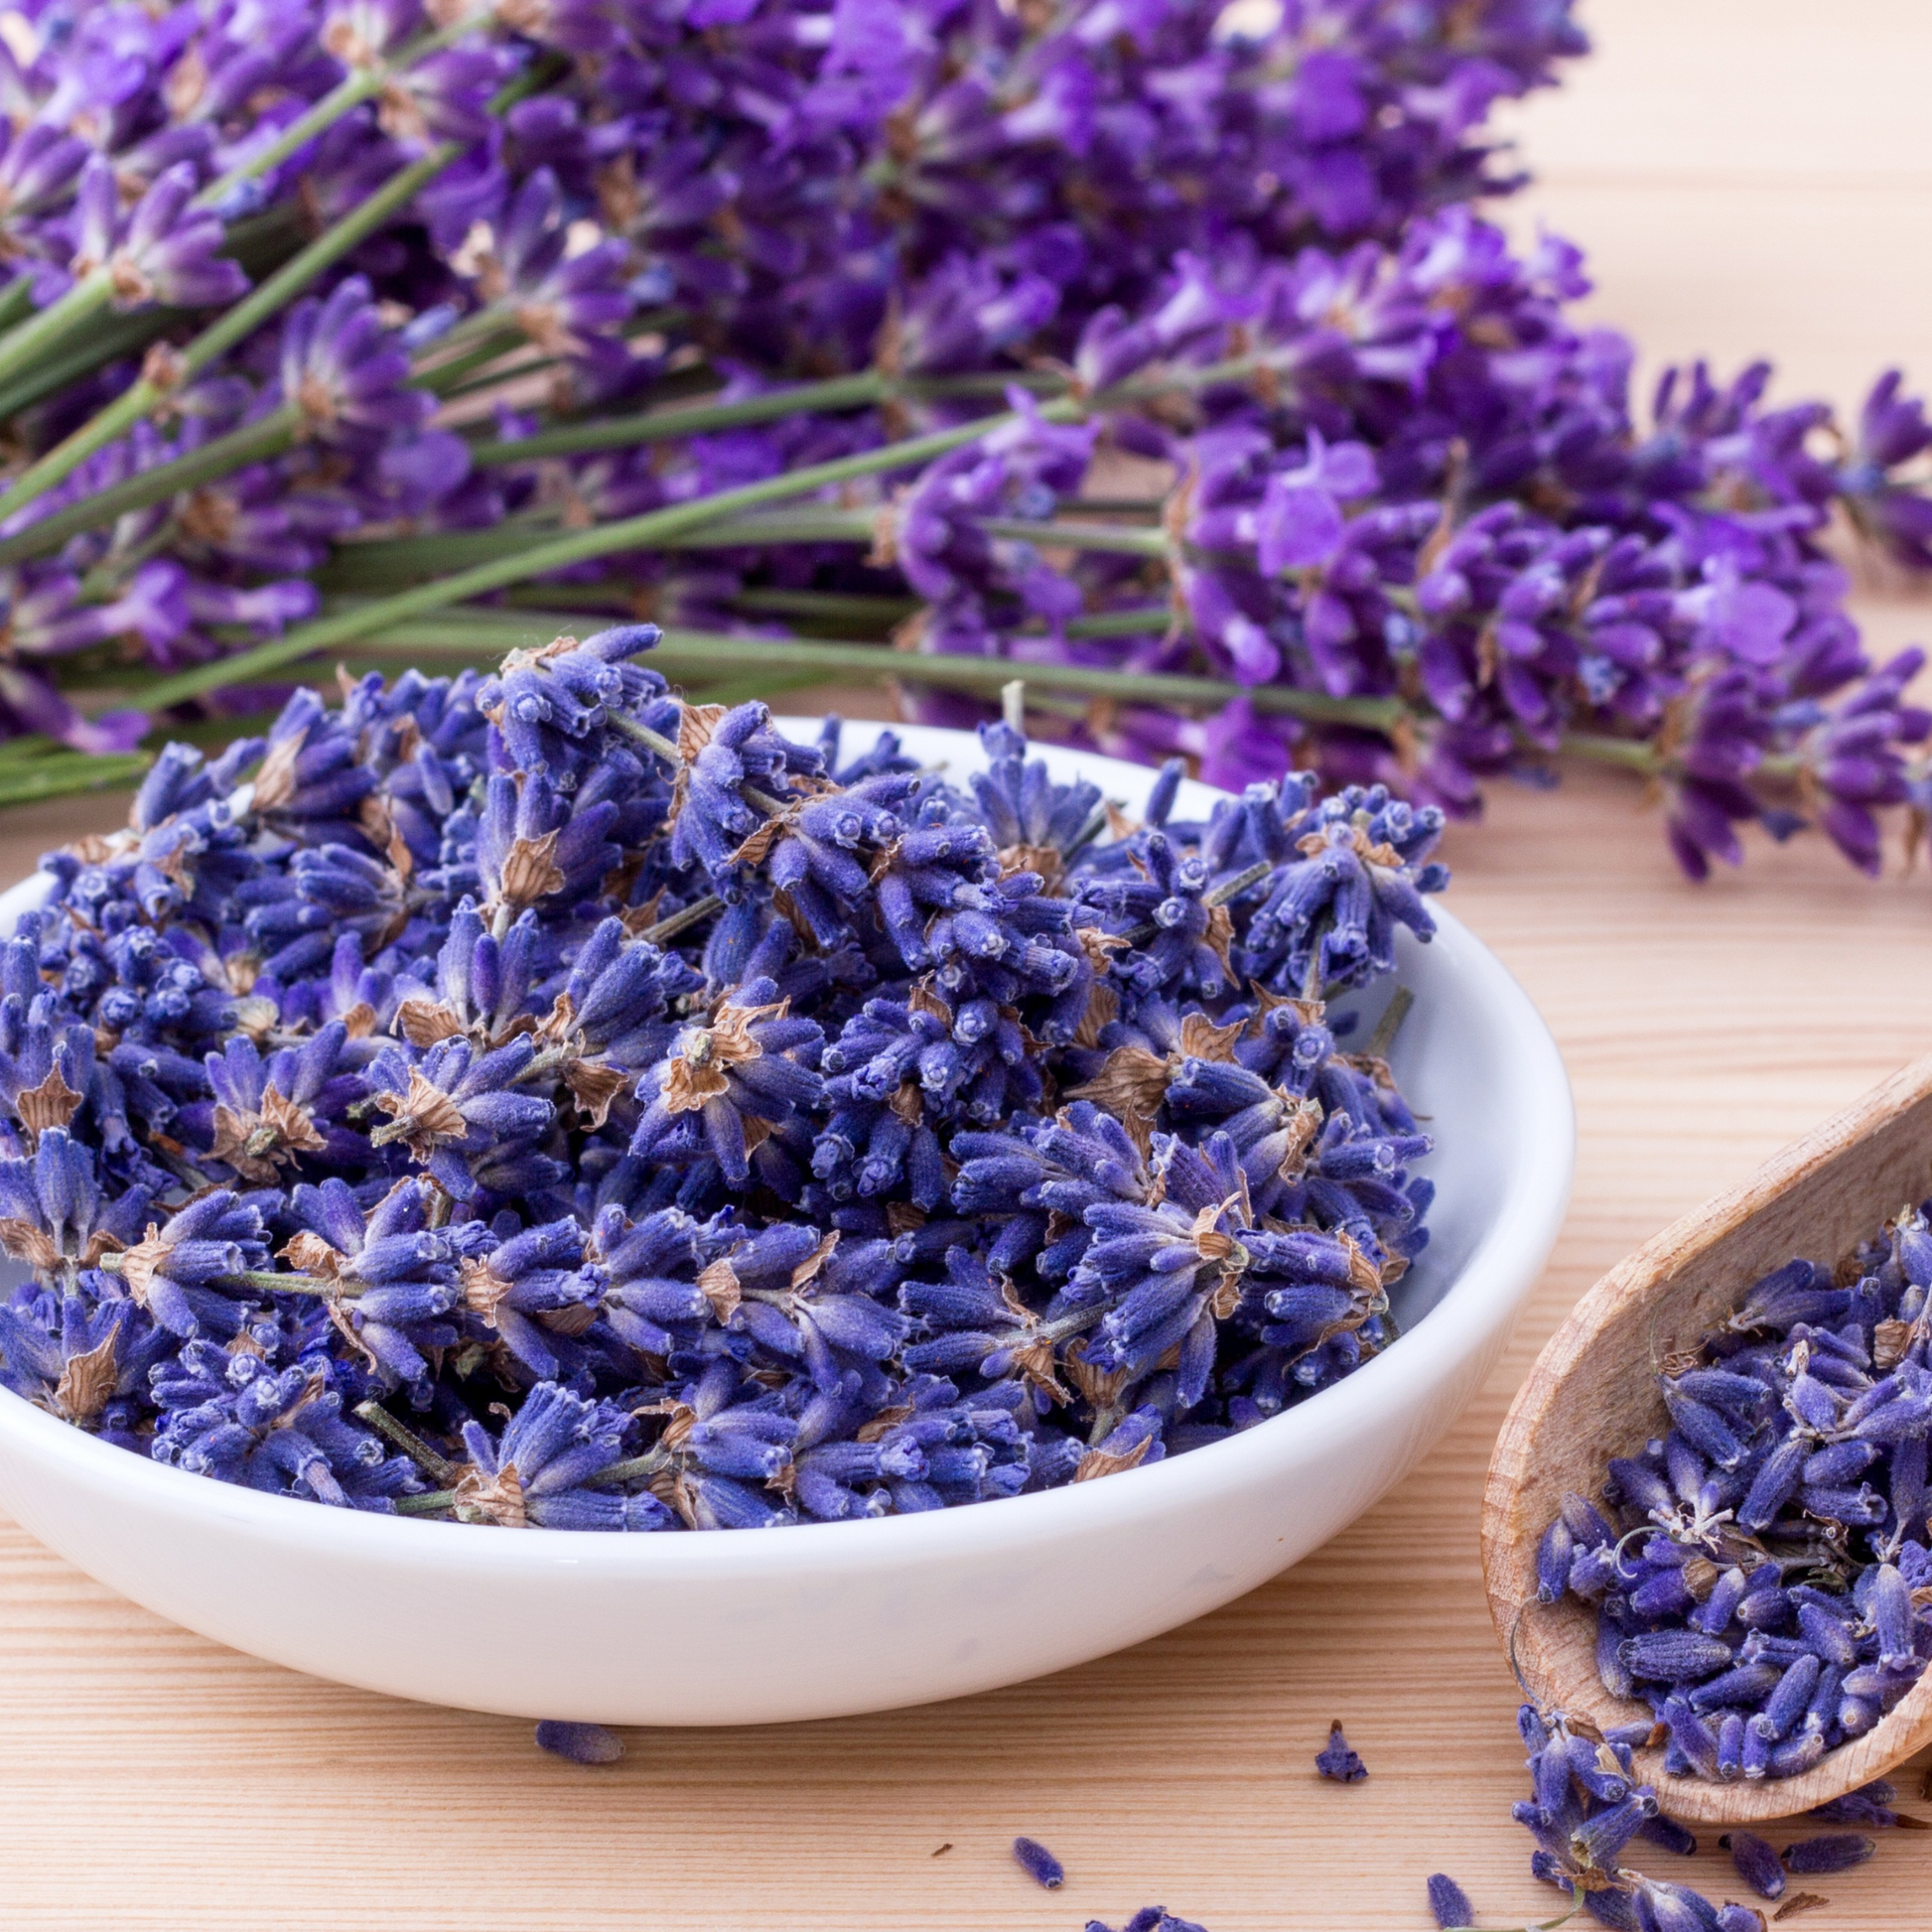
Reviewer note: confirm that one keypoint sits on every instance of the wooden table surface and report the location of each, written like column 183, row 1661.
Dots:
column 1749, row 175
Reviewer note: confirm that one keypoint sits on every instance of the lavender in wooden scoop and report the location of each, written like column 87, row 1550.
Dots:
column 1761, row 1573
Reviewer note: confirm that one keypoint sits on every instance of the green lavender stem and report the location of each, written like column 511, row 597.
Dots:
column 370, row 566
column 1628, row 753
column 652, row 528
column 682, row 653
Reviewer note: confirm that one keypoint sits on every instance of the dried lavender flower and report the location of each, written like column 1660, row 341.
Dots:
column 539, row 1102
column 580, row 1744
column 1755, row 1575
column 1757, row 1863
column 1335, row 1760
column 1812, row 1858
column 1039, row 1863
column 1450, row 1903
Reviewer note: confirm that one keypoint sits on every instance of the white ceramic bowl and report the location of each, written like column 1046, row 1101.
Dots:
column 737, row 1627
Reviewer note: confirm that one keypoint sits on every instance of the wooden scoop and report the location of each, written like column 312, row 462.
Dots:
column 1592, row 1394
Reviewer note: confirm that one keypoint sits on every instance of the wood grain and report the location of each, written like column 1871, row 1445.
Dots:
column 1749, row 175
column 1592, row 1394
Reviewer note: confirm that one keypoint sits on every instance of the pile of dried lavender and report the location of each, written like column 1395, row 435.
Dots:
column 777, row 1142
column 1586, row 1810
column 1762, row 1578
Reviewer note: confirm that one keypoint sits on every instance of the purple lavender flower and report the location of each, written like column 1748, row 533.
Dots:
column 1039, row 1863
column 164, row 252
column 1450, row 1903
column 1335, row 1760
column 580, row 1744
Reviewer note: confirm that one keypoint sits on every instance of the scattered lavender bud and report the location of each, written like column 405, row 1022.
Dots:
column 580, row 1744
column 1757, row 1863
column 1812, row 1858
column 1335, row 1760
column 1039, row 1863
column 1668, row 1832
column 1739, row 1918
column 1450, row 1902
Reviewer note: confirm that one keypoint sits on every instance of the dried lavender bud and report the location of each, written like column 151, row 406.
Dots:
column 580, row 1744
column 1757, row 1863
column 1811, row 1857
column 1450, row 1902
column 1668, row 1832
column 1335, row 1760
column 1039, row 1863
column 628, row 1127
column 1785, row 1439
column 1739, row 1918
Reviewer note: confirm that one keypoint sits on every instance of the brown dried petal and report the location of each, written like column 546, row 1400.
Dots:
column 424, row 1021
column 923, row 999
column 492, row 1499
column 140, row 1262
column 1131, row 1085
column 1201, row 1039
column 1043, row 859
column 690, row 1083
column 51, row 1104
column 87, row 1381
column 718, row 1283
column 757, row 848
column 25, row 1242
column 1103, row 1462
column 425, row 1118
column 532, row 871
column 309, row 1254
column 884, row 1423
column 275, row 781
column 573, row 1320
column 1889, row 1341
column 1103, row 1009
column 593, row 1086
column 695, row 725
column 1099, row 946
column 294, row 1124
column 483, row 1290
column 807, row 1270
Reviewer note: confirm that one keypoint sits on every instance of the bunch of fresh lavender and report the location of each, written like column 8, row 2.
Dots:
column 778, row 1140
column 1763, row 1579
column 279, row 281
column 533, row 295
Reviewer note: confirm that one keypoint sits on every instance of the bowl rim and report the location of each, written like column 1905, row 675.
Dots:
column 1492, row 1281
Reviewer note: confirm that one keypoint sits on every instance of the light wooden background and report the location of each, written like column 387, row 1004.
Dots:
column 1749, row 175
